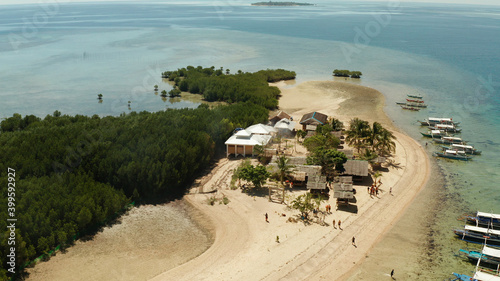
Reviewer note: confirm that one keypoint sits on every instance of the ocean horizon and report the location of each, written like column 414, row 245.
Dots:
column 61, row 56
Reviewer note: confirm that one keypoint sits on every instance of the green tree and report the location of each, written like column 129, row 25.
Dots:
column 255, row 174
column 336, row 124
column 99, row 96
column 386, row 144
column 356, row 74
column 305, row 203
column 301, row 134
column 375, row 176
column 84, row 217
column 283, row 167
column 328, row 159
column 156, row 88
column 358, row 134
column 327, row 141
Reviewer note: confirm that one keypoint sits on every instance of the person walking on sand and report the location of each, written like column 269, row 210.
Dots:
column 339, row 225
column 392, row 273
column 390, row 190
column 333, row 223
column 354, row 241
column 266, row 217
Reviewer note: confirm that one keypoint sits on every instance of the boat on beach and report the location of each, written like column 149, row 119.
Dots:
column 484, row 219
column 435, row 134
column 450, row 140
column 480, row 235
column 488, row 255
column 462, row 277
column 453, row 154
column 485, row 276
column 468, row 149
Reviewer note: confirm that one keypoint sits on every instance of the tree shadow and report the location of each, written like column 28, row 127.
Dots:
column 393, row 164
column 256, row 191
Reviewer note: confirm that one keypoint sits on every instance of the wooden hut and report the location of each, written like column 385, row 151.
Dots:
column 311, row 120
column 280, row 115
column 357, row 168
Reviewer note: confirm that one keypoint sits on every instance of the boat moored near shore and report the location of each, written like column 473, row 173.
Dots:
column 468, row 149
column 453, row 154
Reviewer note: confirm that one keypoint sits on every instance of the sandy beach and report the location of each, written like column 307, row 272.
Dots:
column 244, row 244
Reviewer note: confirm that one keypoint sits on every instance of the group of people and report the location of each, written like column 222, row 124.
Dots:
column 328, row 208
column 373, row 190
column 340, row 223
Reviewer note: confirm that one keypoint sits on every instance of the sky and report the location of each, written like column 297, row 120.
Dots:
column 477, row 2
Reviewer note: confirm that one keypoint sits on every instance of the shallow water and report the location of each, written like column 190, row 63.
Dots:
column 60, row 57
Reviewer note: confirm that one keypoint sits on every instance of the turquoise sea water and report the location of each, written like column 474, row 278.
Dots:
column 60, row 56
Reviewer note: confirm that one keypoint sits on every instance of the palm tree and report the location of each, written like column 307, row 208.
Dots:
column 385, row 142
column 163, row 93
column 156, row 88
column 358, row 133
column 227, row 71
column 283, row 167
column 375, row 135
column 376, row 175
column 99, row 96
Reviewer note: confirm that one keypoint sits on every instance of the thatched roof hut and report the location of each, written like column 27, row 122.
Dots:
column 313, row 119
column 281, row 115
column 356, row 168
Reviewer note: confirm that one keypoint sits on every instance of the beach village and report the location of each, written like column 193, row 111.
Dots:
column 305, row 221
column 300, row 197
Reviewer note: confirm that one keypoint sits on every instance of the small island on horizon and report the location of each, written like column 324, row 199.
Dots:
column 271, row 3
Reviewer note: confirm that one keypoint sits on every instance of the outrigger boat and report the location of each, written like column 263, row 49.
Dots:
column 483, row 276
column 452, row 154
column 416, row 104
column 450, row 140
column 414, row 97
column 446, row 128
column 435, row 134
column 468, row 149
column 476, row 234
column 433, row 121
column 488, row 255
column 418, row 101
column 462, row 277
column 485, row 219
column 410, row 108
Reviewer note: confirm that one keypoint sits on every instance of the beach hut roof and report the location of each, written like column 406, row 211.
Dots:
column 252, row 140
column 281, row 114
column 356, row 168
column 286, row 124
column 243, row 133
column 260, row 129
column 314, row 118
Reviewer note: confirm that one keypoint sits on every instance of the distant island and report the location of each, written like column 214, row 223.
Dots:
column 271, row 3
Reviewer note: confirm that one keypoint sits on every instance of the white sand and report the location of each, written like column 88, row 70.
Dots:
column 245, row 246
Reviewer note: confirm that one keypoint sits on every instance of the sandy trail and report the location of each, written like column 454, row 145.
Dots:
column 245, row 246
